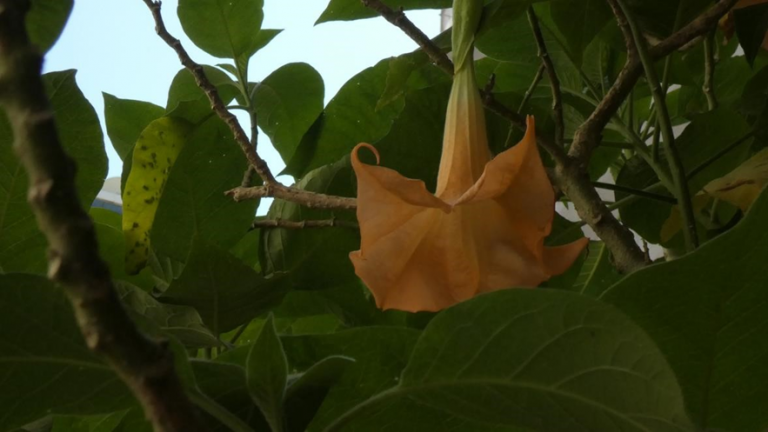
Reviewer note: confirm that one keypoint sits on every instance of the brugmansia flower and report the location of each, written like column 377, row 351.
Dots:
column 484, row 227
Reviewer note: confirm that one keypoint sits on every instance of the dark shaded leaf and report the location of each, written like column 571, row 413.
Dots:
column 22, row 246
column 707, row 312
column 536, row 359
column 267, row 374
column 225, row 292
column 46, row 367
column 193, row 202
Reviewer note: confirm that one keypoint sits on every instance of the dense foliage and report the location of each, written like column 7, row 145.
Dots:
column 271, row 328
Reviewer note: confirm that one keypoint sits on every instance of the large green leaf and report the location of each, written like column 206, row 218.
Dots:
column 307, row 391
column 380, row 354
column 658, row 17
column 22, row 246
column 45, row 367
column 350, row 117
column 287, row 103
column 267, row 374
column 226, row 384
column 125, row 119
column 707, row 312
column 313, row 258
column 348, row 10
column 225, row 292
column 222, row 28
column 193, row 202
column 46, row 20
column 539, row 359
column 182, row 322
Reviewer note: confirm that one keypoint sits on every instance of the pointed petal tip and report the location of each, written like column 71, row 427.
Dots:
column 361, row 145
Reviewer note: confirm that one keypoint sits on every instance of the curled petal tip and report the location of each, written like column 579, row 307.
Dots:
column 357, row 148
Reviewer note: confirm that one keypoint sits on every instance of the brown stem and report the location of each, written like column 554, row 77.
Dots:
column 554, row 81
column 146, row 366
column 298, row 196
column 282, row 223
column 398, row 18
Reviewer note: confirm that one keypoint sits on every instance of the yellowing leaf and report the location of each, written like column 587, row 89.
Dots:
column 674, row 222
column 155, row 152
column 741, row 186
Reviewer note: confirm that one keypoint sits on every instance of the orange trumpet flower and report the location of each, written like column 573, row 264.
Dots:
column 481, row 231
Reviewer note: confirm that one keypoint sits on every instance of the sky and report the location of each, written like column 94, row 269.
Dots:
column 114, row 47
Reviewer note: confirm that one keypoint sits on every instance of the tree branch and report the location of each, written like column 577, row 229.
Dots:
column 399, row 19
column 589, row 134
column 554, row 81
column 709, row 71
column 146, row 366
column 282, row 223
column 271, row 188
column 298, row 196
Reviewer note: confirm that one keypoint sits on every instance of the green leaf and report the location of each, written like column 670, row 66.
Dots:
column 287, row 103
column 112, row 248
column 307, row 390
column 751, row 26
column 348, row 10
column 193, row 203
column 226, row 384
column 225, row 292
column 125, row 119
column 101, row 423
column 598, row 271
column 580, row 21
column 658, row 17
column 536, row 359
column 187, row 101
column 182, row 322
column 349, row 118
column 380, row 354
column 267, row 374
column 222, row 28
column 154, row 155
column 707, row 311
column 22, row 246
column 46, row 367
column 313, row 258
column 46, row 20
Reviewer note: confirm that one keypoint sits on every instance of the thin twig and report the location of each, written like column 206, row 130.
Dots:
column 632, row 191
column 670, row 149
column 282, row 223
column 554, row 81
column 528, row 93
column 398, row 18
column 709, row 71
column 146, row 366
column 271, row 188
